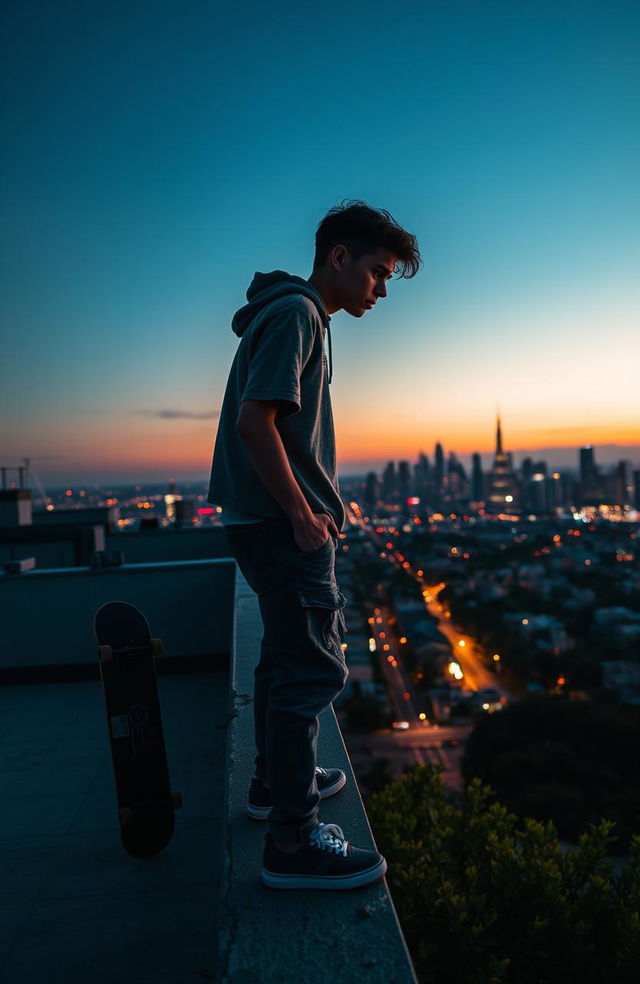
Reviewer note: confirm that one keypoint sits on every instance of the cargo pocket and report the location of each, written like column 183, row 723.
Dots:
column 324, row 605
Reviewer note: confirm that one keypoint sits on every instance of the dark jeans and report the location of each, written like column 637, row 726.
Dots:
column 302, row 666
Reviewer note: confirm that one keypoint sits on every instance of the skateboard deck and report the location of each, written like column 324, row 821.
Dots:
column 127, row 670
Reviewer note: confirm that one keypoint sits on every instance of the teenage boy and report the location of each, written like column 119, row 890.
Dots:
column 274, row 474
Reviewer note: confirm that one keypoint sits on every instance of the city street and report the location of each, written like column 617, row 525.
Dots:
column 466, row 651
column 402, row 749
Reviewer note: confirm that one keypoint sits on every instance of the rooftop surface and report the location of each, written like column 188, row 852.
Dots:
column 73, row 906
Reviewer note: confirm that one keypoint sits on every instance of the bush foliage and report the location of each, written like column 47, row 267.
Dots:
column 484, row 898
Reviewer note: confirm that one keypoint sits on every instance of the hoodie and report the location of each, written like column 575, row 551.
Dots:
column 267, row 287
column 281, row 359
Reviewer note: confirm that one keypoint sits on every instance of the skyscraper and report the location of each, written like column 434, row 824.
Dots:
column 438, row 467
column 371, row 490
column 502, row 485
column 477, row 478
column 618, row 485
column 457, row 476
column 389, row 482
column 590, row 490
column 404, row 480
column 422, row 472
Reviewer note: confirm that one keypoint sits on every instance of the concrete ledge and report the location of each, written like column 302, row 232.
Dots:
column 268, row 936
column 49, row 636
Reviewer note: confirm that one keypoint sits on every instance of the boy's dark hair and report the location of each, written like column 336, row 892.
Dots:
column 363, row 229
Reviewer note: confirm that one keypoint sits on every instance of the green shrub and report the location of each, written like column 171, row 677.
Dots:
column 484, row 898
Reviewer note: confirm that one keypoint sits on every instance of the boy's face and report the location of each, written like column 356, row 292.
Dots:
column 359, row 283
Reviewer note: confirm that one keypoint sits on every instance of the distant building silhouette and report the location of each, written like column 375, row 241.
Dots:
column 457, row 476
column 618, row 485
column 372, row 490
column 389, row 482
column 502, row 484
column 422, row 473
column 438, row 472
column 590, row 485
column 404, row 481
column 477, row 478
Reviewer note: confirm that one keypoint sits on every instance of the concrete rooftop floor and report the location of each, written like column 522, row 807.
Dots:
column 73, row 906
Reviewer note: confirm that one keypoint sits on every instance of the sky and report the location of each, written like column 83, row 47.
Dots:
column 155, row 155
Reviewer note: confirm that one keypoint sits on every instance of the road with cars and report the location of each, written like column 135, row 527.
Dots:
column 414, row 738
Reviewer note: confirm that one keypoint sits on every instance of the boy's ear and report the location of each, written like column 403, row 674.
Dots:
column 338, row 255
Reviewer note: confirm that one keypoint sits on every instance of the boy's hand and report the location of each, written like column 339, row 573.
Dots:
column 314, row 532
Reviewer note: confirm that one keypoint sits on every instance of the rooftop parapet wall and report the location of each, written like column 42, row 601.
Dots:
column 49, row 614
column 169, row 543
column 271, row 936
column 72, row 543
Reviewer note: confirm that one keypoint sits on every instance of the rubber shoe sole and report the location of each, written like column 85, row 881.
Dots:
column 326, row 882
column 262, row 812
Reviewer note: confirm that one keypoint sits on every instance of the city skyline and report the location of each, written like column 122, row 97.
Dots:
column 565, row 459
column 504, row 137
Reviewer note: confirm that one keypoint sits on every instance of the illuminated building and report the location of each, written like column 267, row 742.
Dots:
column 170, row 499
column 502, row 496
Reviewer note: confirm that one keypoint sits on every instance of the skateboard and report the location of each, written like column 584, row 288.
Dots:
column 127, row 671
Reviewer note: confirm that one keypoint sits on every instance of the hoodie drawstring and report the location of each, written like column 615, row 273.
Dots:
column 330, row 353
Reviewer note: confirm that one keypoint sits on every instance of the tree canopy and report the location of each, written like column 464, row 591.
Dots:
column 569, row 761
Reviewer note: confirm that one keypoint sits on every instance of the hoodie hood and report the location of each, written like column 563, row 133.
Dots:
column 265, row 288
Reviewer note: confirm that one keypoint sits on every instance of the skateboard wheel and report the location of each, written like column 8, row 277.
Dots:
column 176, row 799
column 156, row 646
column 106, row 654
column 126, row 816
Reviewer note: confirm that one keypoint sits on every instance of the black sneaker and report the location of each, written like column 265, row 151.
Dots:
column 326, row 860
column 259, row 803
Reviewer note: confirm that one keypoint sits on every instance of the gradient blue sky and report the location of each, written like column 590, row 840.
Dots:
column 157, row 154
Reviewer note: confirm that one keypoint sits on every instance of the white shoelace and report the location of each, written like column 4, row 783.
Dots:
column 329, row 837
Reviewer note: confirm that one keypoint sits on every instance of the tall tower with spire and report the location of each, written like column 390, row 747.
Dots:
column 502, row 496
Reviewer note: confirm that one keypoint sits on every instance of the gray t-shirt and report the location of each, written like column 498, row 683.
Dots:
column 280, row 358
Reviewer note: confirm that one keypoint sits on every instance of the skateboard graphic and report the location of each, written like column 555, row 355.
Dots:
column 127, row 670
